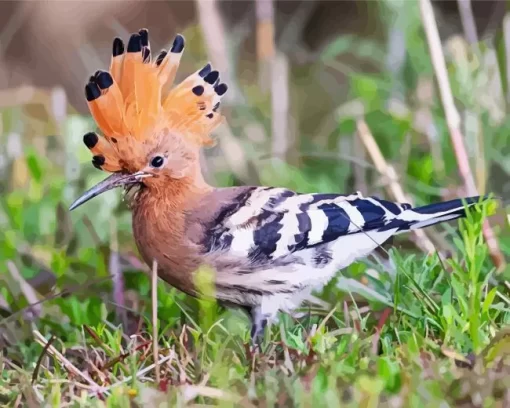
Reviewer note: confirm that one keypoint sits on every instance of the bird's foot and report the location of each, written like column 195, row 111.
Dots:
column 259, row 323
column 257, row 334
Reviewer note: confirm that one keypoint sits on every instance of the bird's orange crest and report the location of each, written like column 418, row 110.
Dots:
column 139, row 111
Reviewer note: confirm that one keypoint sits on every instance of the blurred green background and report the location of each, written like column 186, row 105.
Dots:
column 292, row 112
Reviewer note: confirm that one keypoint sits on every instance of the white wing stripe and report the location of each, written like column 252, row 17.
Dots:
column 356, row 218
column 289, row 230
column 319, row 222
column 242, row 241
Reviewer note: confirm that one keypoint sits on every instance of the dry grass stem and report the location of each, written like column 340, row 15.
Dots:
column 190, row 392
column 291, row 37
column 28, row 291
column 264, row 11
column 287, row 361
column 155, row 349
column 41, row 356
column 359, row 172
column 280, row 105
column 453, row 121
column 215, row 38
column 65, row 362
column 468, row 22
column 394, row 188
column 424, row 121
column 117, row 276
column 506, row 36
column 144, row 371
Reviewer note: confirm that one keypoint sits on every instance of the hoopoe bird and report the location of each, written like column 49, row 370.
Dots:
column 269, row 247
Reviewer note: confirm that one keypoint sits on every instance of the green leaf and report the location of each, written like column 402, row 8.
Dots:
column 390, row 372
column 34, row 166
column 339, row 46
column 489, row 299
column 365, row 87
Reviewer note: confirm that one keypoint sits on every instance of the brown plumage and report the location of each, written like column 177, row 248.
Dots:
column 268, row 247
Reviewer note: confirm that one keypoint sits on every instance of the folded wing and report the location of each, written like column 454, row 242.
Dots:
column 267, row 224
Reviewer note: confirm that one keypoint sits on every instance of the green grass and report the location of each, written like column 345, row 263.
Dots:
column 404, row 329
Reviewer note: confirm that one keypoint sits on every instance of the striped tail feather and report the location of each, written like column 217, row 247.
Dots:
column 431, row 214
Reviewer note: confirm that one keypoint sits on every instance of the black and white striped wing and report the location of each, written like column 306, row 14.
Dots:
column 272, row 223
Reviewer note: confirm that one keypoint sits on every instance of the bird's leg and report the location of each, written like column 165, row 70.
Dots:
column 258, row 325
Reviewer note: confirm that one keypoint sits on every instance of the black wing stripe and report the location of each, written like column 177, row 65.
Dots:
column 338, row 222
column 304, row 224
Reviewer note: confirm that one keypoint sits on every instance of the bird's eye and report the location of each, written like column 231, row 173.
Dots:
column 157, row 161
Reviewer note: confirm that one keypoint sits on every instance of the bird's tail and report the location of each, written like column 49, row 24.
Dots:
column 420, row 217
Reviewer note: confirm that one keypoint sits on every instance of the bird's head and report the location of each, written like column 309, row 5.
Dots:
column 152, row 131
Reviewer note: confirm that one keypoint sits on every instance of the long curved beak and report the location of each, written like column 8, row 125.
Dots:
column 113, row 181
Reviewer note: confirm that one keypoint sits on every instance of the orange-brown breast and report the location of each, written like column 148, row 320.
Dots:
column 160, row 233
